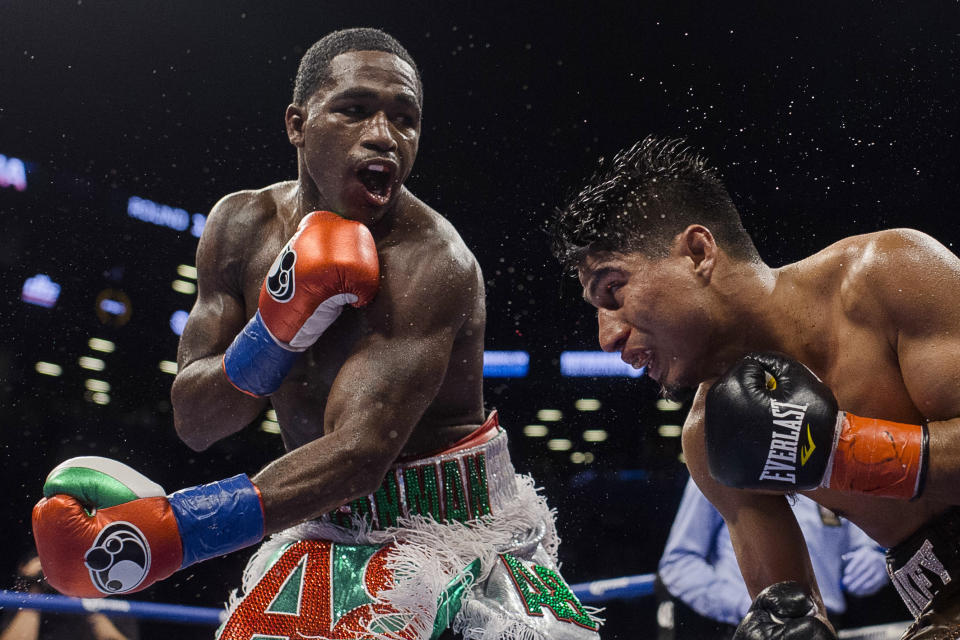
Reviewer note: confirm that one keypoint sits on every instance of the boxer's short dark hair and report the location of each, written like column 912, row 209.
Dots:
column 314, row 67
column 641, row 199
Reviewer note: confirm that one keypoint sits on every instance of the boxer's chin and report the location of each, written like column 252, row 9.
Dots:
column 366, row 205
column 673, row 383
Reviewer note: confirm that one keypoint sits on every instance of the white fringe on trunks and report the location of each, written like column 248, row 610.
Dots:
column 429, row 555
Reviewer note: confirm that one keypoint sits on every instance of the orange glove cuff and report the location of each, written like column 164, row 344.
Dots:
column 880, row 458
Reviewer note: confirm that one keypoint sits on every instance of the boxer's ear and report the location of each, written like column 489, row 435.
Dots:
column 698, row 244
column 294, row 119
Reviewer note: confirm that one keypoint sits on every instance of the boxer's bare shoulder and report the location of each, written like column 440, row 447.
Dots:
column 880, row 275
column 430, row 279
column 423, row 258
column 904, row 272
column 418, row 224
column 240, row 214
column 241, row 229
column 901, row 285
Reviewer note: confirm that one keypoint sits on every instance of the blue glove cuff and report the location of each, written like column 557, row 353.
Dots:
column 254, row 362
column 217, row 518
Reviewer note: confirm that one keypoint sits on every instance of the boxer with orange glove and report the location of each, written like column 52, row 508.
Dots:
column 772, row 424
column 329, row 262
column 103, row 529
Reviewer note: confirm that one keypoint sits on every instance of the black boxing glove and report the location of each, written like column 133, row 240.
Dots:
column 783, row 611
column 772, row 424
column 769, row 425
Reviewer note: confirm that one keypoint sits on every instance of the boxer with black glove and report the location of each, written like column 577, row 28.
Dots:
column 772, row 424
column 783, row 611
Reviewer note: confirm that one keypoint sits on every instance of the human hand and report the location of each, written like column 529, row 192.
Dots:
column 864, row 571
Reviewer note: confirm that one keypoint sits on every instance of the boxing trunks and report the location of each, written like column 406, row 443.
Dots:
column 454, row 540
column 925, row 570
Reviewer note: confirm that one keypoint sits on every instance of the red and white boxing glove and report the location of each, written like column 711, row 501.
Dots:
column 103, row 529
column 329, row 262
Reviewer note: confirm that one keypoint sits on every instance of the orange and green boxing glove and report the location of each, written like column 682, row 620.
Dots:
column 103, row 529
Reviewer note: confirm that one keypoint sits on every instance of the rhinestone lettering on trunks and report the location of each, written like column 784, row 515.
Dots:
column 454, row 494
column 543, row 587
column 318, row 589
column 477, row 484
column 455, row 489
column 912, row 580
column 387, row 499
column 423, row 493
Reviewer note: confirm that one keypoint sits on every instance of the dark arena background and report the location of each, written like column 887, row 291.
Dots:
column 122, row 123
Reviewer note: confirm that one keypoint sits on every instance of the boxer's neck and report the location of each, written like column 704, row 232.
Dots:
column 779, row 312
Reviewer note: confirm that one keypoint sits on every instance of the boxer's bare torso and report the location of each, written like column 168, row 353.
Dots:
column 872, row 316
column 402, row 375
column 262, row 223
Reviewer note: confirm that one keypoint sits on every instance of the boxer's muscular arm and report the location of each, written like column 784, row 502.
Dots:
column 768, row 542
column 381, row 391
column 916, row 281
column 206, row 407
column 687, row 567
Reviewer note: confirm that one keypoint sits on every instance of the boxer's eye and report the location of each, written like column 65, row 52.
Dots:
column 353, row 111
column 403, row 120
column 610, row 291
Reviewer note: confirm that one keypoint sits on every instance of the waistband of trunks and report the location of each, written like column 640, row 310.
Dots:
column 925, row 567
column 462, row 485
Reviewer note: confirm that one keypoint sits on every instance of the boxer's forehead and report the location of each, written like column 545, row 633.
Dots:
column 597, row 263
column 372, row 71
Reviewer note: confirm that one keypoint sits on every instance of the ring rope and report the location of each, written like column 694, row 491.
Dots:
column 626, row 587
column 596, row 591
column 55, row 603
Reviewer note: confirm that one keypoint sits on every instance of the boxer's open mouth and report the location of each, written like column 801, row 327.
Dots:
column 377, row 178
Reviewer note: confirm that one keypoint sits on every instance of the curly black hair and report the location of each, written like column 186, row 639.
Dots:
column 314, row 67
column 640, row 201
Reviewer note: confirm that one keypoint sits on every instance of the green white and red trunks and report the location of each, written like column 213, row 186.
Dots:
column 455, row 540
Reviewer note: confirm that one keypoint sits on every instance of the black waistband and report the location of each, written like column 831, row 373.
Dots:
column 925, row 568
